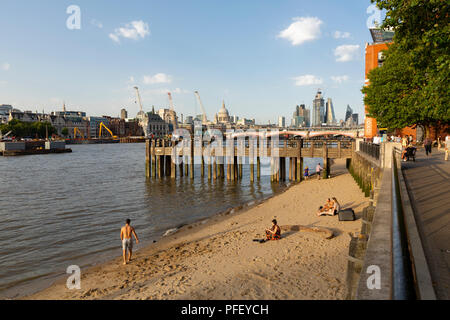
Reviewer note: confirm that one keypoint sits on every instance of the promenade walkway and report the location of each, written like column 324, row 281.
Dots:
column 428, row 183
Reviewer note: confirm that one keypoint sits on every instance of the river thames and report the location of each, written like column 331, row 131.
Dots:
column 67, row 209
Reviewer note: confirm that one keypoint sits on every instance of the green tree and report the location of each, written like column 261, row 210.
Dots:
column 65, row 132
column 25, row 129
column 411, row 88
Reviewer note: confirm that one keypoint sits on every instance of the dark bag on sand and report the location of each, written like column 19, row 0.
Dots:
column 347, row 215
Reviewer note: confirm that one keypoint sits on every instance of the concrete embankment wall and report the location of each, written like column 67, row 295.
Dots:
column 372, row 272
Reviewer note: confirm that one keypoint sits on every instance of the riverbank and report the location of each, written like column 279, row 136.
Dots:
column 217, row 259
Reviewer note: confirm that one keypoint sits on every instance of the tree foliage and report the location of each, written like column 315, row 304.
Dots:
column 22, row 129
column 65, row 132
column 411, row 87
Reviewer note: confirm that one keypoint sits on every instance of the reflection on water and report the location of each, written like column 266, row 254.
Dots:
column 64, row 209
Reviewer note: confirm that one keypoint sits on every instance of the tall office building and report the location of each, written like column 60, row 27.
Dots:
column 348, row 113
column 330, row 118
column 318, row 109
column 301, row 117
column 355, row 119
column 281, row 122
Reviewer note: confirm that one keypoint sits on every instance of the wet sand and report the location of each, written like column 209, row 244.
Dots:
column 218, row 259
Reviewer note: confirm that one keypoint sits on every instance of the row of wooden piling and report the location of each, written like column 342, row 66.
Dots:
column 158, row 166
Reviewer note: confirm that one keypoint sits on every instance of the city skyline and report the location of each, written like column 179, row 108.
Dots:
column 261, row 70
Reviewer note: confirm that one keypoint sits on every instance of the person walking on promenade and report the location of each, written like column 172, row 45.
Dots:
column 127, row 241
column 306, row 173
column 427, row 144
column 318, row 170
column 447, row 147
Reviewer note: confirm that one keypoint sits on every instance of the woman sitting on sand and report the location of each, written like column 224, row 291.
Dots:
column 336, row 207
column 275, row 232
column 327, row 209
column 331, row 208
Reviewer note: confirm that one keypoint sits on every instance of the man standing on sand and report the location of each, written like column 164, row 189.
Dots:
column 127, row 241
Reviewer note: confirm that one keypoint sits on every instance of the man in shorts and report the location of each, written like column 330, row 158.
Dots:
column 127, row 241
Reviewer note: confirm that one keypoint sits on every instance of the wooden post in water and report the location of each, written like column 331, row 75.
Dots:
column 161, row 161
column 181, row 159
column 222, row 167
column 168, row 166
column 203, row 164
column 258, row 160
column 325, row 160
column 241, row 165
column 147, row 158
column 210, row 168
column 173, row 167
column 191, row 159
column 251, row 158
column 214, row 168
column 153, row 158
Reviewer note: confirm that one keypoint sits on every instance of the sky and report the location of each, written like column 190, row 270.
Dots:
column 261, row 57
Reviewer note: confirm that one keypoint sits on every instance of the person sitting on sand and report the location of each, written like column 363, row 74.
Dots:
column 327, row 209
column 336, row 207
column 274, row 233
column 127, row 241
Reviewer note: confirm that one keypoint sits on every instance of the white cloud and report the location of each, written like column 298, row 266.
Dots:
column 5, row 66
column 179, row 91
column 346, row 53
column 3, row 82
column 302, row 30
column 134, row 30
column 157, row 78
column 97, row 23
column 339, row 79
column 164, row 91
column 341, row 35
column 307, row 80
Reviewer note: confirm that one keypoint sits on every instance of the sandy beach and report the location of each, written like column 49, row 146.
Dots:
column 218, row 259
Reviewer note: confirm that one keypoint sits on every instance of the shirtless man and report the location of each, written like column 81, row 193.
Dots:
column 127, row 241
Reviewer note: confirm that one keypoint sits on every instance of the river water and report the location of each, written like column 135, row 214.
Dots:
column 66, row 209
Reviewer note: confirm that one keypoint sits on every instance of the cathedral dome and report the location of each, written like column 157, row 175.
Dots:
column 223, row 116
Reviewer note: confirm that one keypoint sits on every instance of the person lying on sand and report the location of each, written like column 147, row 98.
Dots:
column 127, row 241
column 274, row 233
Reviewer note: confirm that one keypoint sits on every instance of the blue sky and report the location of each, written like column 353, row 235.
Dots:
column 262, row 57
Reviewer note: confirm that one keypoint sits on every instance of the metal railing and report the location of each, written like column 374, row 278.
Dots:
column 402, row 275
column 370, row 149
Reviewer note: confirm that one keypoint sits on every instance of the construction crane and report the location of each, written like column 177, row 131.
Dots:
column 204, row 120
column 142, row 117
column 139, row 98
column 102, row 125
column 75, row 130
column 173, row 118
